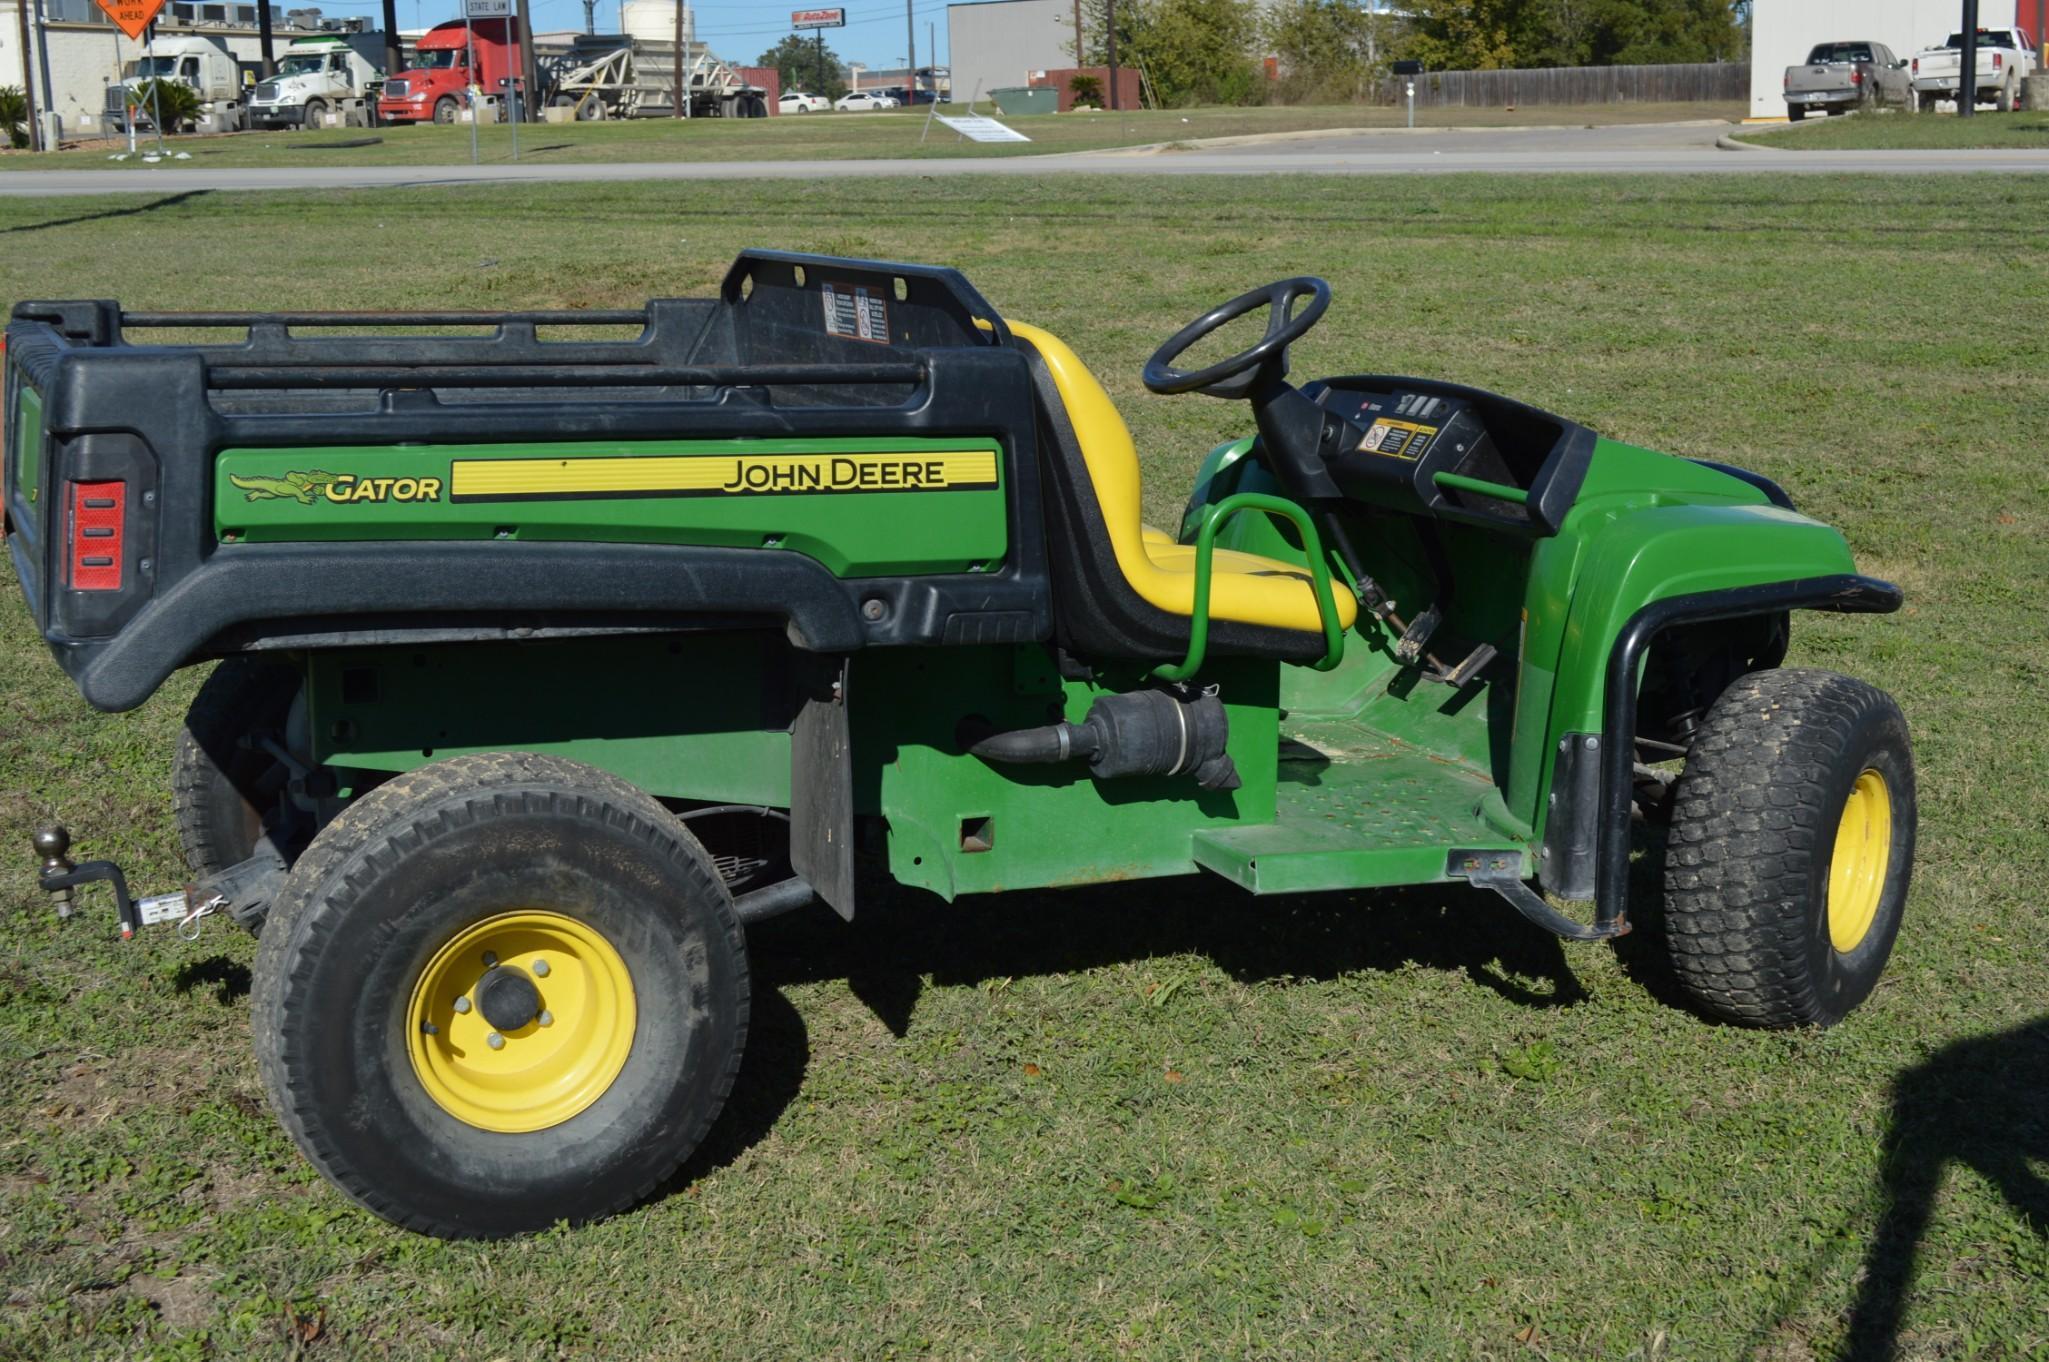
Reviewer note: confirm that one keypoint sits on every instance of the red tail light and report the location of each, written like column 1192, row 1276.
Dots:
column 93, row 543
column 1856, row 78
column 1998, row 61
column 1917, row 66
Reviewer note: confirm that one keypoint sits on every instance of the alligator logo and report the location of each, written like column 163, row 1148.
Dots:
column 300, row 487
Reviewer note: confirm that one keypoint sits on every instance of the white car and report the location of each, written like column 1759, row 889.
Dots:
column 796, row 101
column 860, row 101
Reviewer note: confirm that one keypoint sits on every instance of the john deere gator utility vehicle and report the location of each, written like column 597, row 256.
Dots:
column 549, row 664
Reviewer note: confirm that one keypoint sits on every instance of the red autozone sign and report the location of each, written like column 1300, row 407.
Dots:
column 818, row 18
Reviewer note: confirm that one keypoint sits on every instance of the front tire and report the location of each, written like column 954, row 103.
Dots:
column 1791, row 849
column 444, row 110
column 316, row 111
column 500, row 992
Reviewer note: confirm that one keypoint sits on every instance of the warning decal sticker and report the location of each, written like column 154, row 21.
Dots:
column 856, row 312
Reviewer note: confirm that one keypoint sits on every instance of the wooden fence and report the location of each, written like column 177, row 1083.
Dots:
column 1571, row 85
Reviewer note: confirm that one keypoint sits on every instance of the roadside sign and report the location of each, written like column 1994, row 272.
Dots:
column 818, row 18
column 982, row 128
column 131, row 16
column 487, row 9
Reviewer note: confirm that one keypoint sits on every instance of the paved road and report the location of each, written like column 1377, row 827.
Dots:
column 1653, row 149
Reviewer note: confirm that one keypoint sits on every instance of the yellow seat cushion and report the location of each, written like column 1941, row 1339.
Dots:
column 1245, row 588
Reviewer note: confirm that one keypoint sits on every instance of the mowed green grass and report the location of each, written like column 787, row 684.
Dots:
column 1167, row 1120
column 893, row 135
column 1895, row 130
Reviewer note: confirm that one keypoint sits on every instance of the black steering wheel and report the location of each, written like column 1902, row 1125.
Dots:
column 1236, row 376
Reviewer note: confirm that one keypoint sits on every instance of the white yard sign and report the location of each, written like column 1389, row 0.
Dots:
column 487, row 9
column 981, row 128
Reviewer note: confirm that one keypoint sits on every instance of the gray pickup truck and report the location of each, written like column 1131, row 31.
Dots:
column 1839, row 77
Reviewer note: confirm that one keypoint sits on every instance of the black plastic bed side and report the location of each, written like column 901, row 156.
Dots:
column 207, row 599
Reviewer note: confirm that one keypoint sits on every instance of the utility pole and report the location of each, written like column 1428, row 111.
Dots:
column 1110, row 37
column 529, row 72
column 590, row 16
column 820, row 35
column 1080, row 57
column 680, row 98
column 392, row 58
column 910, row 76
column 263, row 38
column 1967, row 63
column 28, row 84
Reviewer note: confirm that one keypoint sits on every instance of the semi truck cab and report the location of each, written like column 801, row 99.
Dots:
column 332, row 73
column 436, row 86
column 201, row 63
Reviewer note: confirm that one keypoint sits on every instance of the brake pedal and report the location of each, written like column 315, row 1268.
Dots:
column 1459, row 677
column 1409, row 647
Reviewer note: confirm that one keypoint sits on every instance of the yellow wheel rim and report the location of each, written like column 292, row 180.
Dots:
column 555, row 1063
column 1856, row 872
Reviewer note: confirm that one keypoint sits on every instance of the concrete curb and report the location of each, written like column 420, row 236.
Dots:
column 1313, row 134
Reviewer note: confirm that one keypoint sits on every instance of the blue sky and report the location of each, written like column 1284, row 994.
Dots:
column 736, row 30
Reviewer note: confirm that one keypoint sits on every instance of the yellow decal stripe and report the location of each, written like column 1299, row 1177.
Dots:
column 722, row 474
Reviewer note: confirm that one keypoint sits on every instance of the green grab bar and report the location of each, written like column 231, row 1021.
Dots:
column 1205, row 550
column 1458, row 482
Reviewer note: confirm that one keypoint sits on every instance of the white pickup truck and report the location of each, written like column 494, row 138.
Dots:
column 2006, row 58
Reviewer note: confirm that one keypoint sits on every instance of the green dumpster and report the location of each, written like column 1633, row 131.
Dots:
column 1016, row 100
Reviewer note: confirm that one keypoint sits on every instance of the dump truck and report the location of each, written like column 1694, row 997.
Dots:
column 551, row 664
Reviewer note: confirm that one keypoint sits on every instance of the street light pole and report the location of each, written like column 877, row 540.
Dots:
column 911, row 74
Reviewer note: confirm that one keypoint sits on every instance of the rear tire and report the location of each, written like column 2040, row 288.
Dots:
column 225, row 791
column 1796, row 113
column 610, row 1065
column 1791, row 849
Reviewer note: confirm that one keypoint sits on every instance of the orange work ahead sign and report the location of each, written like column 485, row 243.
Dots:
column 131, row 16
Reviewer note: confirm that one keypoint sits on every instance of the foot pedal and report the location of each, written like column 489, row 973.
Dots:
column 1476, row 661
column 1416, row 637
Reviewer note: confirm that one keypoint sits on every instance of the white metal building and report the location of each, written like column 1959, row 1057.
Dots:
column 1783, row 31
column 999, row 43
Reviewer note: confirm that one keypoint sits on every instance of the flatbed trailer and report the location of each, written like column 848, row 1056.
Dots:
column 622, row 76
column 551, row 662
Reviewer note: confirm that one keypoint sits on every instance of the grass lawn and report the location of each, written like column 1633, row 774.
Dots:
column 836, row 136
column 1894, row 130
column 1167, row 1120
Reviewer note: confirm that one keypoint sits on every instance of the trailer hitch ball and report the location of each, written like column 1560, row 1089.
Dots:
column 51, row 844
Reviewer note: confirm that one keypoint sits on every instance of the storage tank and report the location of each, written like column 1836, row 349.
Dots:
column 655, row 21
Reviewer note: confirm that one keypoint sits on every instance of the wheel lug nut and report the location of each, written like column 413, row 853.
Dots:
column 541, row 968
column 546, row 1018
column 429, row 1028
column 490, row 959
column 495, row 1041
column 462, row 1004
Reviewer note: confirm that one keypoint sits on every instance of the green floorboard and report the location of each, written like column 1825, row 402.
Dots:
column 1355, row 810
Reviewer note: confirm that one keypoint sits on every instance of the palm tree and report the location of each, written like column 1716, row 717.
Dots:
column 14, row 115
column 171, row 106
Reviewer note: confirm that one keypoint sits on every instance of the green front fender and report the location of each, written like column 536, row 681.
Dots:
column 1654, row 553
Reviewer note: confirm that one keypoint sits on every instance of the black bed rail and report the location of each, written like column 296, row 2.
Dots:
column 513, row 374
column 561, row 317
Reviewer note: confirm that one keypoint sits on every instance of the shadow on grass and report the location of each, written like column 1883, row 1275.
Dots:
column 168, row 201
column 229, row 979
column 901, row 937
column 1982, row 1103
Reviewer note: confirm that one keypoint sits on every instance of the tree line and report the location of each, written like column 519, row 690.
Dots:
column 1210, row 51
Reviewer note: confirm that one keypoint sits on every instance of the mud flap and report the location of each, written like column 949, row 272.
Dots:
column 822, row 789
